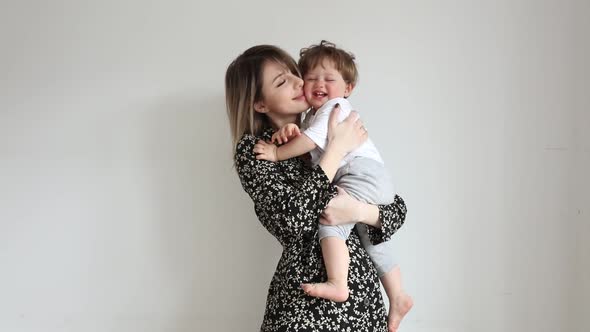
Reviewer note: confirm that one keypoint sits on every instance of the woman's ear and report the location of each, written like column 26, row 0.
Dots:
column 260, row 107
column 348, row 89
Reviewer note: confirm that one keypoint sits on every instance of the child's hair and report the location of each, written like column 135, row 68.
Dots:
column 312, row 56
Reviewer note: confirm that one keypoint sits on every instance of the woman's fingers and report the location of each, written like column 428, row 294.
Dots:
column 342, row 209
column 333, row 119
column 358, row 124
column 354, row 118
column 340, row 191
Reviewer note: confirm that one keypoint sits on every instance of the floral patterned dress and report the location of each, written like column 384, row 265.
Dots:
column 289, row 197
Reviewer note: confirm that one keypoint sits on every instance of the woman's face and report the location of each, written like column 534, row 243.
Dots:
column 282, row 94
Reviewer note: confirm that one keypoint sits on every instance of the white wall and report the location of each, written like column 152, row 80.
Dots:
column 581, row 182
column 119, row 210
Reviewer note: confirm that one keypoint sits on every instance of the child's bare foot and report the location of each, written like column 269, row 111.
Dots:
column 337, row 292
column 398, row 308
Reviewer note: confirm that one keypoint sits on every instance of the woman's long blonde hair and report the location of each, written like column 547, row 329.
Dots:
column 243, row 88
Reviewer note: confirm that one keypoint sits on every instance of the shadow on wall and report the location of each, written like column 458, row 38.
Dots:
column 217, row 259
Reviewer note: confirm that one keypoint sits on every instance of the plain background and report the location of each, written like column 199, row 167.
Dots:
column 120, row 210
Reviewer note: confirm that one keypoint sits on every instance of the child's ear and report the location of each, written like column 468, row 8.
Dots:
column 348, row 89
column 259, row 107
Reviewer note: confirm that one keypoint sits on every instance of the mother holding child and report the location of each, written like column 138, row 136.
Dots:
column 336, row 240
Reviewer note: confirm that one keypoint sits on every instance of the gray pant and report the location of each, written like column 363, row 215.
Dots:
column 366, row 180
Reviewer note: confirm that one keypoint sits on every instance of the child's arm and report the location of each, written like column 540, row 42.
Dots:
column 298, row 146
column 287, row 132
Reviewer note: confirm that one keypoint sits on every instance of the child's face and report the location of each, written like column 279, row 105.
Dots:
column 324, row 82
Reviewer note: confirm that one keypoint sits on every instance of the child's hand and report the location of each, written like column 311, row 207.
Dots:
column 265, row 151
column 286, row 133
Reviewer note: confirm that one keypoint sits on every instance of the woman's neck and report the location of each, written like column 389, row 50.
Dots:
column 279, row 122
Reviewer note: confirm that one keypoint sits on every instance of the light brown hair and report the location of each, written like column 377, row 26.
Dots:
column 243, row 88
column 343, row 61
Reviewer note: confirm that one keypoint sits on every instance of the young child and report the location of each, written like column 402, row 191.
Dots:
column 330, row 75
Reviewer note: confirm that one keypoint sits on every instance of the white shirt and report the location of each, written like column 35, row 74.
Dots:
column 316, row 128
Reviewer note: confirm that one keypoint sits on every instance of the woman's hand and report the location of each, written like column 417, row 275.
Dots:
column 346, row 135
column 344, row 209
column 343, row 137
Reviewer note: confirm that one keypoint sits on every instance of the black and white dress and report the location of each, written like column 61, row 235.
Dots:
column 289, row 197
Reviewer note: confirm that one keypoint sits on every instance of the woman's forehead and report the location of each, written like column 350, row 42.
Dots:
column 272, row 69
column 275, row 66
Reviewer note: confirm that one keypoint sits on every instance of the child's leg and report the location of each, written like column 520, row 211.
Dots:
column 389, row 273
column 400, row 302
column 336, row 259
column 369, row 181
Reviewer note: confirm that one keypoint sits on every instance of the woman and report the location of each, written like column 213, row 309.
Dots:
column 264, row 91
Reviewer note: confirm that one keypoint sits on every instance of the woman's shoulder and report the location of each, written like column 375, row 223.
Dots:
column 245, row 145
column 247, row 140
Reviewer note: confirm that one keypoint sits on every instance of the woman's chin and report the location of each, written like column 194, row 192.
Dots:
column 304, row 106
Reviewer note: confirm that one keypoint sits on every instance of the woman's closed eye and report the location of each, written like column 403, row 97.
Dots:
column 283, row 82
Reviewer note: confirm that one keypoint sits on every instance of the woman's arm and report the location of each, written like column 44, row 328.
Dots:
column 343, row 137
column 285, row 208
column 289, row 209
column 383, row 220
column 392, row 217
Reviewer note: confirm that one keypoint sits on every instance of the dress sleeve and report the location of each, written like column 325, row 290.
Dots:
column 392, row 217
column 288, row 209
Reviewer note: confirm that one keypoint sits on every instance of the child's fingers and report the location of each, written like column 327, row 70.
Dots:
column 261, row 143
column 258, row 149
column 277, row 138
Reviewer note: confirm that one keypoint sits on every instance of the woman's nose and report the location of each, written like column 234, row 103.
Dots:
column 298, row 82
